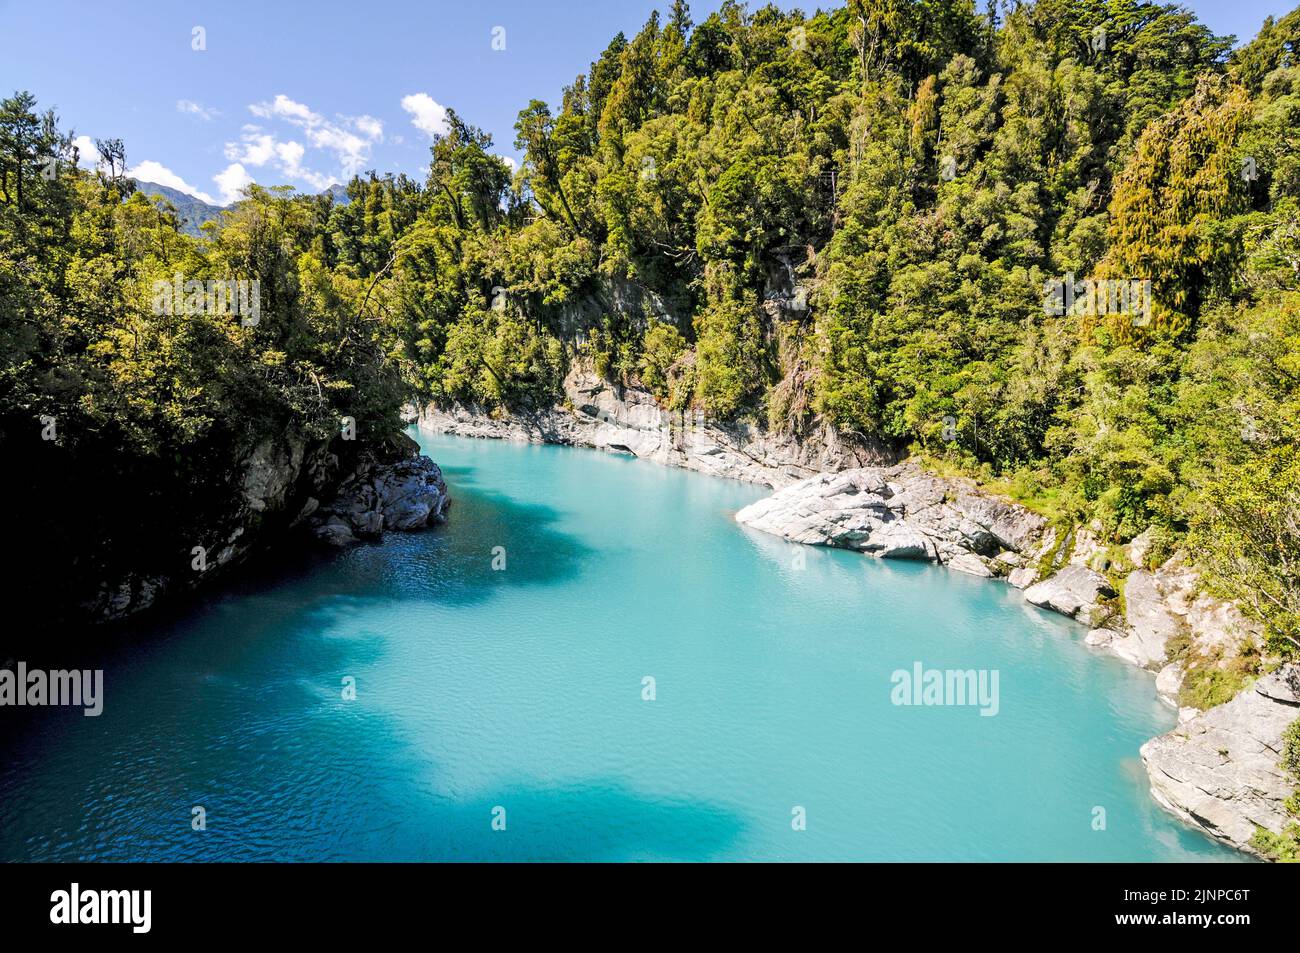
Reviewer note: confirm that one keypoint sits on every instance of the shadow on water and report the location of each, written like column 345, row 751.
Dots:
column 595, row 820
column 491, row 542
column 233, row 702
column 267, row 648
column 301, row 586
column 291, row 767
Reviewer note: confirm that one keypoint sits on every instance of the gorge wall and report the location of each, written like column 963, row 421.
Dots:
column 283, row 488
column 599, row 415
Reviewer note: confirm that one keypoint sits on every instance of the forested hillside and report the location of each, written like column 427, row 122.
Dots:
column 863, row 216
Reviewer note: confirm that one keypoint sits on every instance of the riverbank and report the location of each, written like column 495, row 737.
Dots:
column 289, row 487
column 830, row 492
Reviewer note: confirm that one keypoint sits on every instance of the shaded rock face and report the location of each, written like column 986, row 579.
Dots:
column 628, row 420
column 276, row 492
column 406, row 495
column 1218, row 770
column 899, row 512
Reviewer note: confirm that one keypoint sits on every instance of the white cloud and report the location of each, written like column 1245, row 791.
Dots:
column 427, row 115
column 255, row 148
column 230, row 180
column 190, row 107
column 258, row 149
column 349, row 138
column 87, row 154
column 370, row 127
column 514, row 166
column 284, row 108
column 344, row 140
column 156, row 172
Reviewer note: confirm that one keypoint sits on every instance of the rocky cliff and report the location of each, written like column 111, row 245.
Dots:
column 1219, row 770
column 280, row 488
column 627, row 420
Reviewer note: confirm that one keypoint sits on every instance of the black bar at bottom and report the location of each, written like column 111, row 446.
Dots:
column 366, row 901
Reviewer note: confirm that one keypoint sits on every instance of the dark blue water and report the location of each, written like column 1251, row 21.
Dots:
column 517, row 694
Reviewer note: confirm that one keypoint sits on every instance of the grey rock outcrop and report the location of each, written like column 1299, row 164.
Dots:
column 1168, row 603
column 899, row 512
column 1219, row 769
column 1074, row 591
column 1168, row 682
column 1150, row 623
column 599, row 415
column 277, row 488
column 406, row 495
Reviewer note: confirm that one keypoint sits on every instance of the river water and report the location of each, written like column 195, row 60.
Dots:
column 592, row 660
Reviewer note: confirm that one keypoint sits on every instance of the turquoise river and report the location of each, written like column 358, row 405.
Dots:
column 502, row 668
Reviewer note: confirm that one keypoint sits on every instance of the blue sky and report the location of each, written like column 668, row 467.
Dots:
column 308, row 93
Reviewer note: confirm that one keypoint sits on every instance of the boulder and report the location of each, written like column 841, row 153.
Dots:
column 831, row 509
column 407, row 495
column 1022, row 578
column 1075, row 591
column 898, row 540
column 971, row 564
column 412, row 494
column 1101, row 638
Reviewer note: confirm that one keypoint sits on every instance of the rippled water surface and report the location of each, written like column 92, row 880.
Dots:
column 522, row 689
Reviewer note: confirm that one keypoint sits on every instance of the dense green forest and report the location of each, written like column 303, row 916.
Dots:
column 855, row 216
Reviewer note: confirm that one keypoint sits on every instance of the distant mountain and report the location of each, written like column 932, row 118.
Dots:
column 192, row 212
column 339, row 192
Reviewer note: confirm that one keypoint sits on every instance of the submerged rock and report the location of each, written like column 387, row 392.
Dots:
column 1218, row 770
